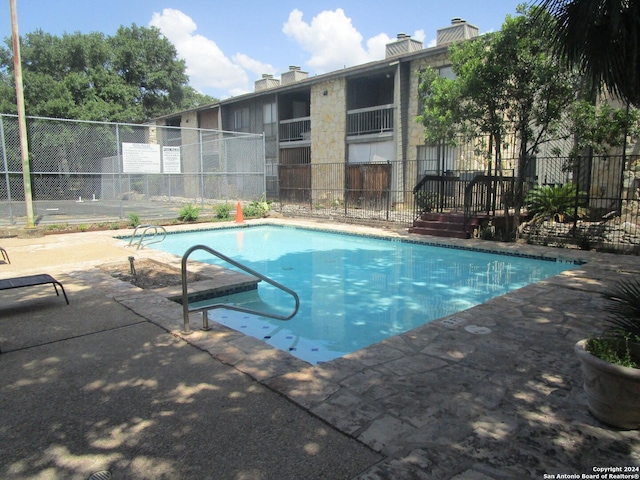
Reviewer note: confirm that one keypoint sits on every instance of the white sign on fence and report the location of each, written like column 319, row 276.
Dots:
column 171, row 160
column 140, row 158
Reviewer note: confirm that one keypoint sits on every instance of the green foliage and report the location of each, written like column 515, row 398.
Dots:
column 557, row 203
column 600, row 38
column 624, row 309
column 601, row 127
column 426, row 201
column 223, row 211
column 257, row 209
column 507, row 81
column 189, row 213
column 620, row 343
column 129, row 77
column 56, row 226
column 134, row 219
column 612, row 351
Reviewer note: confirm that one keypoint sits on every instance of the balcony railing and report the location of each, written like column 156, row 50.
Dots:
column 295, row 130
column 371, row 120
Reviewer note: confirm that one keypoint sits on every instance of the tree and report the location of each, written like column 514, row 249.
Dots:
column 130, row 77
column 505, row 82
column 602, row 39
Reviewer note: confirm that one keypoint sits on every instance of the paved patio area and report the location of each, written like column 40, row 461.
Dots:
column 493, row 392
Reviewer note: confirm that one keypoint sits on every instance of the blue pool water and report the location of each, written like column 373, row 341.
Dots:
column 355, row 291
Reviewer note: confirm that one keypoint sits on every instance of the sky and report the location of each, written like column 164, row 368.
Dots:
column 228, row 45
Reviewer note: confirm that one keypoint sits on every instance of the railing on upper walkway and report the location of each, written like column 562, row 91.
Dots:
column 366, row 121
column 295, row 130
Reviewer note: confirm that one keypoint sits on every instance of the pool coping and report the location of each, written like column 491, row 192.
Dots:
column 361, row 393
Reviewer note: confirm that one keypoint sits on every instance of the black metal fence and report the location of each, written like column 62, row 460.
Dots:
column 603, row 213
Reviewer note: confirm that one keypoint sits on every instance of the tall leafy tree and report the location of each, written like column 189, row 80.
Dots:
column 129, row 77
column 505, row 82
column 601, row 38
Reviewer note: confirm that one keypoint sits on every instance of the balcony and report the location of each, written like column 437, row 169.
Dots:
column 296, row 130
column 369, row 121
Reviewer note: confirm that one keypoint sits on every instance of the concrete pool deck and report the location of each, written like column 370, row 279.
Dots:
column 493, row 392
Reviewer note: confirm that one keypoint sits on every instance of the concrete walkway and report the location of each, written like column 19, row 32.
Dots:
column 493, row 392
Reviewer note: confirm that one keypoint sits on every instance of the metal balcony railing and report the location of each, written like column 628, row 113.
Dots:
column 295, row 130
column 366, row 121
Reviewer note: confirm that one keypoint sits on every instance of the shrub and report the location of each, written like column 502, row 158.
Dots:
column 426, row 201
column 257, row 209
column 223, row 211
column 189, row 213
column 134, row 219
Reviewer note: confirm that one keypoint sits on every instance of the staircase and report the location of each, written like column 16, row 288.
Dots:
column 449, row 225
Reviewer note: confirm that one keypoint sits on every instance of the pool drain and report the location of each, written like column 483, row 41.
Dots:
column 477, row 330
column 452, row 321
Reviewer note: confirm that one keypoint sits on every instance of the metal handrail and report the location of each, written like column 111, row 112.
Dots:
column 152, row 239
column 205, row 319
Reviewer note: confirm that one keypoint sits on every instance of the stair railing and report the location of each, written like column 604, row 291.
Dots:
column 186, row 310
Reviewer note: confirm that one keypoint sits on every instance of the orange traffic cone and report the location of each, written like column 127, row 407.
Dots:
column 239, row 214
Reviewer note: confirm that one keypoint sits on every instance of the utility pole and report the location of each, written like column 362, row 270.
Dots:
column 22, row 121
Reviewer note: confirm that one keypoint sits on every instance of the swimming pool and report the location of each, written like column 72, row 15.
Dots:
column 355, row 290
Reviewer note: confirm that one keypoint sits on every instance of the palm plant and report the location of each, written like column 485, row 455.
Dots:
column 624, row 310
column 602, row 39
column 553, row 203
column 620, row 344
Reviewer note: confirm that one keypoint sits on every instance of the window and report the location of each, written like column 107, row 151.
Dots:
column 269, row 119
column 241, row 120
column 447, row 72
column 436, row 159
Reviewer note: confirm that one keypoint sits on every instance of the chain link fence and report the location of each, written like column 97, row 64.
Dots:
column 91, row 171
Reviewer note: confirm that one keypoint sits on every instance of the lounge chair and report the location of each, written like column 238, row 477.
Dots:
column 32, row 281
column 5, row 255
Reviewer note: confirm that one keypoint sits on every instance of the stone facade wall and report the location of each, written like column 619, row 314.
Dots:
column 329, row 119
column 416, row 130
column 190, row 154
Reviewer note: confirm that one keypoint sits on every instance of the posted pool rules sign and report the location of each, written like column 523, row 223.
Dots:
column 140, row 158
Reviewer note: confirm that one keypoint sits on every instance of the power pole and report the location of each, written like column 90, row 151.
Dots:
column 22, row 121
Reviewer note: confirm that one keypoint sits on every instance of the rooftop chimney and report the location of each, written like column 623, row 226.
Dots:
column 267, row 81
column 293, row 75
column 402, row 45
column 458, row 30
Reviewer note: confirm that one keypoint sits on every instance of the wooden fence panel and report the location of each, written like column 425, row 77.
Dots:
column 295, row 182
column 368, row 184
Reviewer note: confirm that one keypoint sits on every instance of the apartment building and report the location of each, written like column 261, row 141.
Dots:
column 362, row 117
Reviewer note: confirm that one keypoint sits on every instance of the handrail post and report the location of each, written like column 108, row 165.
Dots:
column 185, row 296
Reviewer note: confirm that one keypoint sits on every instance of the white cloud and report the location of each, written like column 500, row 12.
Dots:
column 252, row 65
column 419, row 35
column 207, row 65
column 332, row 40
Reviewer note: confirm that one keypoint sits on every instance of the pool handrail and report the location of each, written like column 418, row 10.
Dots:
column 155, row 228
column 205, row 320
